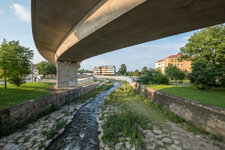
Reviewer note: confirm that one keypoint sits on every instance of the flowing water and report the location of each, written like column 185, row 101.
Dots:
column 81, row 133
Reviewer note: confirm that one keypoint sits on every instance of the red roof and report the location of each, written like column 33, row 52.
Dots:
column 160, row 60
column 175, row 56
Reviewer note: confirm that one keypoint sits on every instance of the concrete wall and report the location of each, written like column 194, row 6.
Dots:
column 22, row 112
column 203, row 116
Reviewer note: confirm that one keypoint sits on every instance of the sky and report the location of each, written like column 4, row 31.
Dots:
column 15, row 24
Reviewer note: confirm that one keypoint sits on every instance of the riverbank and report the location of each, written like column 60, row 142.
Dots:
column 39, row 134
column 27, row 91
column 129, row 121
column 214, row 96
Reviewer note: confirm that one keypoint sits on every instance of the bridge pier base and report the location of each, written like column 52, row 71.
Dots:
column 66, row 74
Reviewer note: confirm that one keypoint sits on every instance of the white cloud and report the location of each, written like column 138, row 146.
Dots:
column 2, row 12
column 21, row 12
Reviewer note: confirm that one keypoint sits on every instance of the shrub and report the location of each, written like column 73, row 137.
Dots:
column 203, row 75
column 153, row 76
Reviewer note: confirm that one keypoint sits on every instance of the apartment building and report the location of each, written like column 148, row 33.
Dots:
column 160, row 64
column 174, row 60
column 104, row 70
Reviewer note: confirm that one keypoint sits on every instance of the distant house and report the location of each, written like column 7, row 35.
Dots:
column 174, row 60
column 104, row 70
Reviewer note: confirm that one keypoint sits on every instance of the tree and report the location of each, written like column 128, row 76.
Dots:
column 203, row 74
column 174, row 73
column 46, row 68
column 123, row 69
column 144, row 70
column 208, row 45
column 153, row 76
column 136, row 73
column 15, row 62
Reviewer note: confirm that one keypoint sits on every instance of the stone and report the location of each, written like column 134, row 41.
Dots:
column 176, row 142
column 176, row 147
column 128, row 146
column 150, row 146
column 167, row 140
column 156, row 131
column 159, row 143
column 118, row 146
column 159, row 136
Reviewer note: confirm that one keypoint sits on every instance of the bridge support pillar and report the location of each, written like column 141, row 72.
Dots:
column 66, row 74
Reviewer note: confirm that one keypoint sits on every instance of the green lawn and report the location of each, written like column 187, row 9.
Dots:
column 214, row 96
column 27, row 91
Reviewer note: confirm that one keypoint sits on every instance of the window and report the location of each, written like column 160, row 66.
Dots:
column 172, row 60
column 175, row 60
column 174, row 64
column 178, row 65
column 181, row 65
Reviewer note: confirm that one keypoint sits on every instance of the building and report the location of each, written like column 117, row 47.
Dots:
column 104, row 70
column 174, row 60
column 160, row 64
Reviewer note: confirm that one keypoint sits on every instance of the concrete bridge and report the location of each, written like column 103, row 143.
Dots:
column 69, row 31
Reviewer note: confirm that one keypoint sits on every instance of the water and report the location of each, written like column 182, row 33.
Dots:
column 81, row 133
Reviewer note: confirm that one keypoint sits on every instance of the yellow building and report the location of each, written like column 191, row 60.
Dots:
column 175, row 60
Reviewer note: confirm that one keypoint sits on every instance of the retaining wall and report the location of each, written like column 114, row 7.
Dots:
column 206, row 117
column 22, row 112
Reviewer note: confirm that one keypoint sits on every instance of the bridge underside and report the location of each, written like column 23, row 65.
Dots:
column 74, row 30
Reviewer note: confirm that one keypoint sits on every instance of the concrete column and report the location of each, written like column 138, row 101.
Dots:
column 66, row 74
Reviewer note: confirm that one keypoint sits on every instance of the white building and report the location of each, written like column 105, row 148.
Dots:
column 104, row 70
column 160, row 64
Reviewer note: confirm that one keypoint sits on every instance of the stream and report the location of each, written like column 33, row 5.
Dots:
column 81, row 133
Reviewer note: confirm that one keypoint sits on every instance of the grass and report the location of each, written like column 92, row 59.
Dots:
column 136, row 111
column 27, row 91
column 5, row 130
column 213, row 96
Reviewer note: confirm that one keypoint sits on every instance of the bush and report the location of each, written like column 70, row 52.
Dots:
column 153, row 76
column 174, row 73
column 203, row 75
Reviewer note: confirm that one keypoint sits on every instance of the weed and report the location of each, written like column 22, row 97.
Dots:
column 26, row 139
column 41, row 145
column 34, row 142
column 60, row 124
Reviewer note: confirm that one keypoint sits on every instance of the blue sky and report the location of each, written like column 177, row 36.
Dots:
column 15, row 24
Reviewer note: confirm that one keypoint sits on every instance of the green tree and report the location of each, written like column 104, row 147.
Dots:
column 208, row 45
column 203, row 74
column 123, row 69
column 46, row 68
column 153, row 76
column 136, row 73
column 174, row 73
column 15, row 62
column 144, row 70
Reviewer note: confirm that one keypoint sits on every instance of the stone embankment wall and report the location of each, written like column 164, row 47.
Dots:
column 203, row 116
column 22, row 112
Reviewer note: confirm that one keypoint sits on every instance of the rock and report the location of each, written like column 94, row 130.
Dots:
column 159, row 143
column 11, row 146
column 167, row 140
column 157, row 131
column 159, row 136
column 150, row 146
column 176, row 142
column 128, row 146
column 176, row 147
column 118, row 146
column 61, row 131
column 148, row 133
